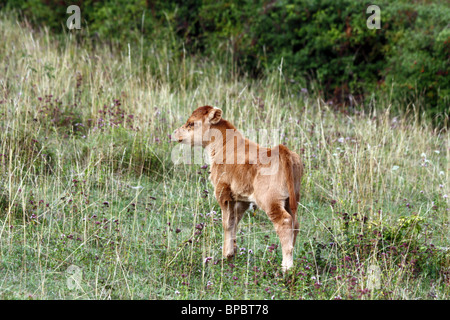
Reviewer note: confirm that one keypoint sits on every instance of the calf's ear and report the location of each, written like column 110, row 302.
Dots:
column 215, row 115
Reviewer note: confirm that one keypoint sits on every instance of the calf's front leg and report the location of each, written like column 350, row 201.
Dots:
column 223, row 195
column 232, row 212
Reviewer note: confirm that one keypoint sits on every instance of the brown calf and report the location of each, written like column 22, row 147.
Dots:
column 242, row 173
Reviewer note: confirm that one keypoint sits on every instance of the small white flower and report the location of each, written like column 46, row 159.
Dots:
column 395, row 168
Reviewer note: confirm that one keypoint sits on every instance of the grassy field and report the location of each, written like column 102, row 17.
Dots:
column 93, row 207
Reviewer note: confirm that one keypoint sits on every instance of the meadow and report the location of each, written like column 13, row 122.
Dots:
column 93, row 207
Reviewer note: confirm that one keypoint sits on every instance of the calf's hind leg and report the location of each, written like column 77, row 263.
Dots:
column 294, row 219
column 284, row 226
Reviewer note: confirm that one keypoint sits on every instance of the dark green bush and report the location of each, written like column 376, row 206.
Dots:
column 323, row 45
column 418, row 57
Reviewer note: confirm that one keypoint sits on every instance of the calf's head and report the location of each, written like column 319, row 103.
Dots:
column 197, row 129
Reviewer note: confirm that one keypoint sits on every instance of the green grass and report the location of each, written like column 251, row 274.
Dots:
column 87, row 180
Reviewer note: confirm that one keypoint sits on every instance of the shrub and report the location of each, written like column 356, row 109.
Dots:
column 324, row 45
column 405, row 243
